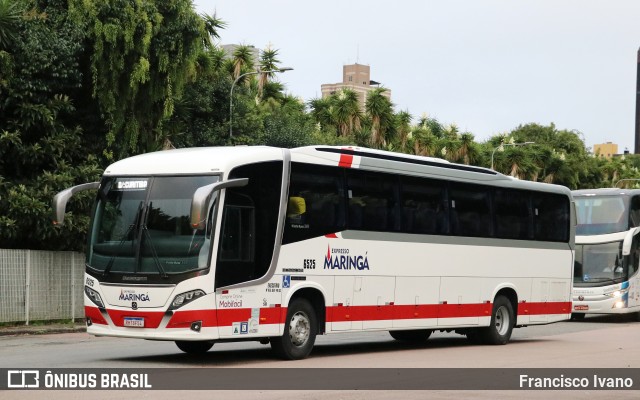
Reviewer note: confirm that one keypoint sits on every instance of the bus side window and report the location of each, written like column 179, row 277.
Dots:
column 551, row 216
column 634, row 213
column 316, row 204
column 373, row 201
column 423, row 206
column 512, row 214
column 470, row 210
column 250, row 218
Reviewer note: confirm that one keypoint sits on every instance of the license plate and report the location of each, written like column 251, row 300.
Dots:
column 581, row 308
column 134, row 322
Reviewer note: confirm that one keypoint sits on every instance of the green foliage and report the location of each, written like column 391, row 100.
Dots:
column 41, row 148
column 142, row 53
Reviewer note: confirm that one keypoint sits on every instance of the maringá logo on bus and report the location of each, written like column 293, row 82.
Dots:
column 131, row 295
column 341, row 259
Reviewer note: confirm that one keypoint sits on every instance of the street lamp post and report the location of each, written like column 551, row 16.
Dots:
column 234, row 84
column 507, row 144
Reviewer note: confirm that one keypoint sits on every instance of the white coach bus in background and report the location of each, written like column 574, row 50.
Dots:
column 207, row 245
column 606, row 279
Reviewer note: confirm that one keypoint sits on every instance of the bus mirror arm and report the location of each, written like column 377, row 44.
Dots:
column 628, row 239
column 202, row 198
column 60, row 200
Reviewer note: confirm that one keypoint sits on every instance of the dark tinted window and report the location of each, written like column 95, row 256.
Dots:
column 470, row 210
column 513, row 216
column 316, row 204
column 249, row 223
column 551, row 217
column 373, row 201
column 424, row 206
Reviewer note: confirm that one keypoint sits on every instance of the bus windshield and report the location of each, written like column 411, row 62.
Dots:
column 598, row 215
column 599, row 264
column 142, row 225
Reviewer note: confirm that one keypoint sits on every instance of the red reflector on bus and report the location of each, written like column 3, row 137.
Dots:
column 225, row 292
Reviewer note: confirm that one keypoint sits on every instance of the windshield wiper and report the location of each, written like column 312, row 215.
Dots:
column 153, row 253
column 124, row 239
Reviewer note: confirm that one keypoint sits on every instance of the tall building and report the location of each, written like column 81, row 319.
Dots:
column 637, row 144
column 356, row 77
column 605, row 150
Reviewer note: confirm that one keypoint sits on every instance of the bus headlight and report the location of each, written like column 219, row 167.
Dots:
column 616, row 293
column 618, row 304
column 94, row 296
column 185, row 298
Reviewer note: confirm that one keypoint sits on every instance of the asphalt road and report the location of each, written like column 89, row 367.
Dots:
column 592, row 343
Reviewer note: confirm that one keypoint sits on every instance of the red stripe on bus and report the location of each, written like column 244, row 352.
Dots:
column 544, row 308
column 95, row 315
column 184, row 319
column 331, row 236
column 345, row 160
column 277, row 315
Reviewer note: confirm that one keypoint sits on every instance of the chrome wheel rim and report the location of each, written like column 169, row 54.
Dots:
column 502, row 320
column 299, row 329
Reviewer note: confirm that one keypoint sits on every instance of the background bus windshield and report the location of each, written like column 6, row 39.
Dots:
column 141, row 225
column 601, row 215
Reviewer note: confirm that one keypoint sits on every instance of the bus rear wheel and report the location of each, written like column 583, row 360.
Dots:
column 299, row 334
column 412, row 336
column 502, row 322
column 194, row 347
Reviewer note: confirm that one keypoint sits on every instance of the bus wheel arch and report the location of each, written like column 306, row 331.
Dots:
column 512, row 296
column 305, row 319
column 503, row 321
column 317, row 300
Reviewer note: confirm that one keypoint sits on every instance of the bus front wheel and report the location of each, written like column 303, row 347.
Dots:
column 194, row 347
column 502, row 322
column 300, row 331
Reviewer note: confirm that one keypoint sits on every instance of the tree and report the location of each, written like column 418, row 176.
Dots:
column 268, row 62
column 380, row 110
column 41, row 145
column 9, row 20
column 141, row 56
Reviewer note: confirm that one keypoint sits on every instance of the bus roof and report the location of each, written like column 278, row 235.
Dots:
column 211, row 160
column 605, row 192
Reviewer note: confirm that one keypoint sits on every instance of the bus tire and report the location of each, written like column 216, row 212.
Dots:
column 299, row 334
column 191, row 347
column 411, row 336
column 502, row 322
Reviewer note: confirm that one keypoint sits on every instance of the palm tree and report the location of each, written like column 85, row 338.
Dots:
column 403, row 127
column 212, row 26
column 467, row 152
column 242, row 60
column 380, row 110
column 321, row 111
column 9, row 18
column 346, row 111
column 268, row 62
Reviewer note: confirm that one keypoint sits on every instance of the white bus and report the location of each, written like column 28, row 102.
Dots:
column 208, row 245
column 606, row 279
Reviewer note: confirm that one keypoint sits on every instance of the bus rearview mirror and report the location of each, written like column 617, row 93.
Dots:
column 60, row 200
column 202, row 197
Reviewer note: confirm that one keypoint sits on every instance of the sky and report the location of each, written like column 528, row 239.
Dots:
column 487, row 66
